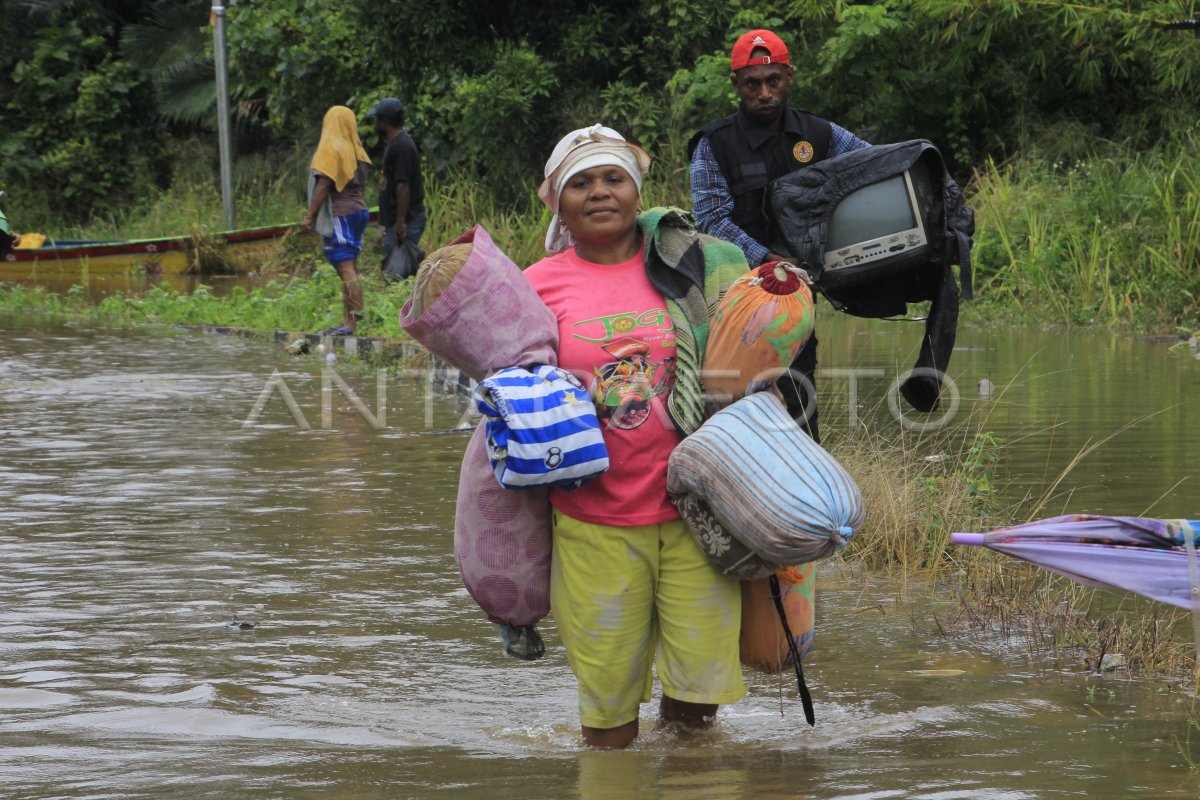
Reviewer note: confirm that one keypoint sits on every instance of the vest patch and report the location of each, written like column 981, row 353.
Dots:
column 803, row 151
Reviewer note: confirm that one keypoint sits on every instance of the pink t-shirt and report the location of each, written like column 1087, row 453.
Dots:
column 616, row 337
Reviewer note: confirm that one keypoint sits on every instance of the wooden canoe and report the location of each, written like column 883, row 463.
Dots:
column 174, row 255
column 233, row 251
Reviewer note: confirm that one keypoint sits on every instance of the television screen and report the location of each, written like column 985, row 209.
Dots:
column 877, row 229
column 873, row 211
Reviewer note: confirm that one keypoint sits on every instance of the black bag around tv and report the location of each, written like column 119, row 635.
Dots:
column 877, row 229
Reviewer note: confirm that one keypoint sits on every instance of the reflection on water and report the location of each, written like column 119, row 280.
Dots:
column 137, row 516
column 97, row 286
column 1055, row 395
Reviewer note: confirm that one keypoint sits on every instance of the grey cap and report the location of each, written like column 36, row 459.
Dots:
column 388, row 107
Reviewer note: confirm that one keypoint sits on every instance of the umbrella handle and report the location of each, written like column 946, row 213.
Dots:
column 1189, row 544
column 967, row 538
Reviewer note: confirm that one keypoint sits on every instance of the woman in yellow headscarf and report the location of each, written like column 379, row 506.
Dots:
column 336, row 207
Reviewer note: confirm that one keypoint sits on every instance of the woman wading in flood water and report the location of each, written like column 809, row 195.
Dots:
column 629, row 587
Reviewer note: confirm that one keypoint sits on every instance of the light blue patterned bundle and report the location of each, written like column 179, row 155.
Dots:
column 767, row 485
column 542, row 428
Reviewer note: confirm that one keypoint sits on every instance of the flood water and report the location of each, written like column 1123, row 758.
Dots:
column 138, row 515
column 1054, row 395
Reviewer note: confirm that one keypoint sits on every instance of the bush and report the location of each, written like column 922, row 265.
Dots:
column 80, row 131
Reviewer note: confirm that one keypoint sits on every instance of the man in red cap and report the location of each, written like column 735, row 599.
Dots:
column 733, row 160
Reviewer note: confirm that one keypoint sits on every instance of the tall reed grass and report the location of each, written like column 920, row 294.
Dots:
column 1110, row 239
column 921, row 487
column 269, row 187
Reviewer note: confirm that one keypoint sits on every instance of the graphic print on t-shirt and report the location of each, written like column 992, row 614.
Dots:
column 623, row 389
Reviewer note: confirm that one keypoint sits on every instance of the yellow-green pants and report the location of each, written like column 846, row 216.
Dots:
column 621, row 594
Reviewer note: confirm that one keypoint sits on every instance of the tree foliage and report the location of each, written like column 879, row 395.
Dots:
column 985, row 77
column 491, row 86
column 78, row 130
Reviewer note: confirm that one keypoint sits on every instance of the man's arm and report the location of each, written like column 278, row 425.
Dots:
column 843, row 141
column 403, row 198
column 712, row 204
column 403, row 168
column 322, row 190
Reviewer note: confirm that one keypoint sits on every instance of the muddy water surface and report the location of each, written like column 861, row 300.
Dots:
column 137, row 516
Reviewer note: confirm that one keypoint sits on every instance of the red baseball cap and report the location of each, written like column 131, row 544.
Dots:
column 748, row 42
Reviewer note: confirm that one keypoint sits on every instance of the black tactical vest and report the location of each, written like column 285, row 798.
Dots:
column 750, row 157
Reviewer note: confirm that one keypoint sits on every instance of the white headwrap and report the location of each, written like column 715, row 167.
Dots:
column 594, row 146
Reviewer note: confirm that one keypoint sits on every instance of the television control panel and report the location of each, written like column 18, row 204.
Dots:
column 870, row 251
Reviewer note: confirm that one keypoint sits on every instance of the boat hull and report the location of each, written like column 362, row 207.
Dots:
column 236, row 251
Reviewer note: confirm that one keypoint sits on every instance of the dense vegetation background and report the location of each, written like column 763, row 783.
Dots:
column 108, row 107
column 95, row 94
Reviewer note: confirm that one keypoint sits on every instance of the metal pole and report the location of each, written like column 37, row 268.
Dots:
column 223, row 118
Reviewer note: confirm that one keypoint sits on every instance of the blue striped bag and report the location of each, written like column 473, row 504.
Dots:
column 767, row 485
column 542, row 428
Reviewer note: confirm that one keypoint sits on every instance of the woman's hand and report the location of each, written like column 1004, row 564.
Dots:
column 320, row 193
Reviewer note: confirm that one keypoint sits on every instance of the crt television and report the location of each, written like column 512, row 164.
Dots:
column 880, row 229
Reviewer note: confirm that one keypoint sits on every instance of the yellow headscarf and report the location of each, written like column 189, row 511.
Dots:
column 340, row 149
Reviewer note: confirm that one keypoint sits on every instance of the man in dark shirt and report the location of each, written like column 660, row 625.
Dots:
column 401, row 188
column 734, row 159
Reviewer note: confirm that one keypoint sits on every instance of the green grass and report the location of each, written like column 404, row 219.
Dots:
column 309, row 301
column 1113, row 239
column 921, row 487
column 269, row 186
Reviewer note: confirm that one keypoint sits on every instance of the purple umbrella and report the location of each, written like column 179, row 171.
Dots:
column 1146, row 556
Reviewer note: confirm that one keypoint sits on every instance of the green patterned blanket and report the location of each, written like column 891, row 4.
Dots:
column 692, row 270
